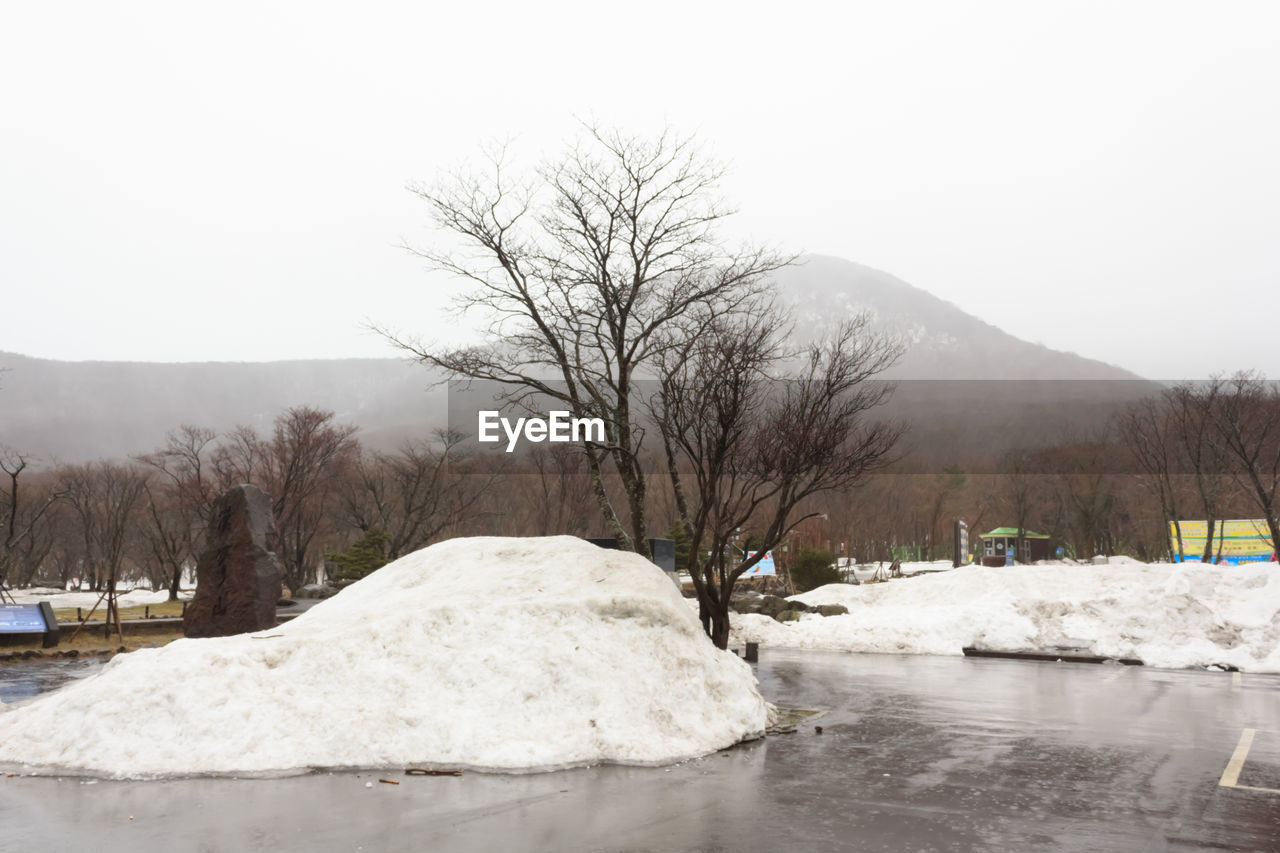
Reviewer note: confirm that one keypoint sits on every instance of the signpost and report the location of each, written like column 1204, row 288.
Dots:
column 960, row 556
column 20, row 623
column 1234, row 542
column 764, row 568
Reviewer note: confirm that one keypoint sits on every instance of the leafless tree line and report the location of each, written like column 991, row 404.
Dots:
column 108, row 521
column 1197, row 451
column 1210, row 451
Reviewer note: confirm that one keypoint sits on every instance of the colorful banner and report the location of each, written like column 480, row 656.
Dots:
column 1237, row 541
column 764, row 568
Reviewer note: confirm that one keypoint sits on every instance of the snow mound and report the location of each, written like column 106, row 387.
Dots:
column 1166, row 615
column 487, row 653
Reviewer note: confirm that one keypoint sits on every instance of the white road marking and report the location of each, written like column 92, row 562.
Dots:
column 1235, row 680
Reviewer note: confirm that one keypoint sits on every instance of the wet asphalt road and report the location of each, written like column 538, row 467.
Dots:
column 917, row 753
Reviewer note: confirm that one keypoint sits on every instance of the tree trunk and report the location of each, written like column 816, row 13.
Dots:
column 1207, row 557
column 720, row 625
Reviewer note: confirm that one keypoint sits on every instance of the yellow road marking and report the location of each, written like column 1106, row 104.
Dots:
column 1231, row 775
column 1113, row 676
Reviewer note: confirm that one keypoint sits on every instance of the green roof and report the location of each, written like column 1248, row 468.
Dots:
column 1013, row 531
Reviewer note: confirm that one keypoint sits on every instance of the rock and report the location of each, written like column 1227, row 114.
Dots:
column 238, row 578
column 788, row 616
column 772, row 605
column 1100, row 560
column 832, row 609
column 315, row 590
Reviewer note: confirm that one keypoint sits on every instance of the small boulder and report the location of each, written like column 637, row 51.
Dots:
column 832, row 609
column 788, row 616
column 772, row 605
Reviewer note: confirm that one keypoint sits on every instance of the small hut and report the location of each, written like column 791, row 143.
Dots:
column 997, row 544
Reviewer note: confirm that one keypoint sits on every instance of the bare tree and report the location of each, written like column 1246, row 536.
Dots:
column 1022, row 494
column 589, row 272
column 301, row 467
column 1192, row 414
column 562, row 490
column 943, row 491
column 1146, row 432
column 24, row 539
column 179, row 501
column 414, row 494
column 104, row 497
column 758, row 449
column 1246, row 418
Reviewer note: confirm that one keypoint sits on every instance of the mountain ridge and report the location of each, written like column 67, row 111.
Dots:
column 72, row 411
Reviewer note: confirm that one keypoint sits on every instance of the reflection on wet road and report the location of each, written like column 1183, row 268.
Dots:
column 25, row 679
column 916, row 753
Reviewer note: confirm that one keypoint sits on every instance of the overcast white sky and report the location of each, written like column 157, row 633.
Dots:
column 228, row 183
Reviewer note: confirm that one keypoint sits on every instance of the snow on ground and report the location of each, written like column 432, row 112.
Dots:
column 57, row 598
column 487, row 653
column 1166, row 615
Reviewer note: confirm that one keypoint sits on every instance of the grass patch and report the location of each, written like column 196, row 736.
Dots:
column 140, row 611
column 91, row 641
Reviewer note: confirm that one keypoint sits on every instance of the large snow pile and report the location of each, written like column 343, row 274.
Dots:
column 485, row 653
column 1165, row 615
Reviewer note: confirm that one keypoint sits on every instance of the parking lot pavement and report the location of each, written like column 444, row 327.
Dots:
column 916, row 753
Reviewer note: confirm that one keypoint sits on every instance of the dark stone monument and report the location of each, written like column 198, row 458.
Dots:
column 238, row 578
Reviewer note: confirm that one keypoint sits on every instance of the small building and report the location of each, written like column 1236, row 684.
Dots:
column 997, row 544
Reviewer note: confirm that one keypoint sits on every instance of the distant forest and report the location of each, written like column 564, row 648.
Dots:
column 1108, row 483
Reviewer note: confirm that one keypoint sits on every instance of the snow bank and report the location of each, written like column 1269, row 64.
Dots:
column 1166, row 615
column 487, row 653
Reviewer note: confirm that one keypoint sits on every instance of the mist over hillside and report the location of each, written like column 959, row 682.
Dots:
column 75, row 411
column 943, row 341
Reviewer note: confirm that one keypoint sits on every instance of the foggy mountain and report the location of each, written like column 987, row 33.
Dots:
column 943, row 341
column 75, row 411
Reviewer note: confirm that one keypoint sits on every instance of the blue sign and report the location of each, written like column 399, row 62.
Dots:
column 21, row 619
column 764, row 568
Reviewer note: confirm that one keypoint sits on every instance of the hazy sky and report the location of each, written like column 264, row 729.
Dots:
column 229, row 184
